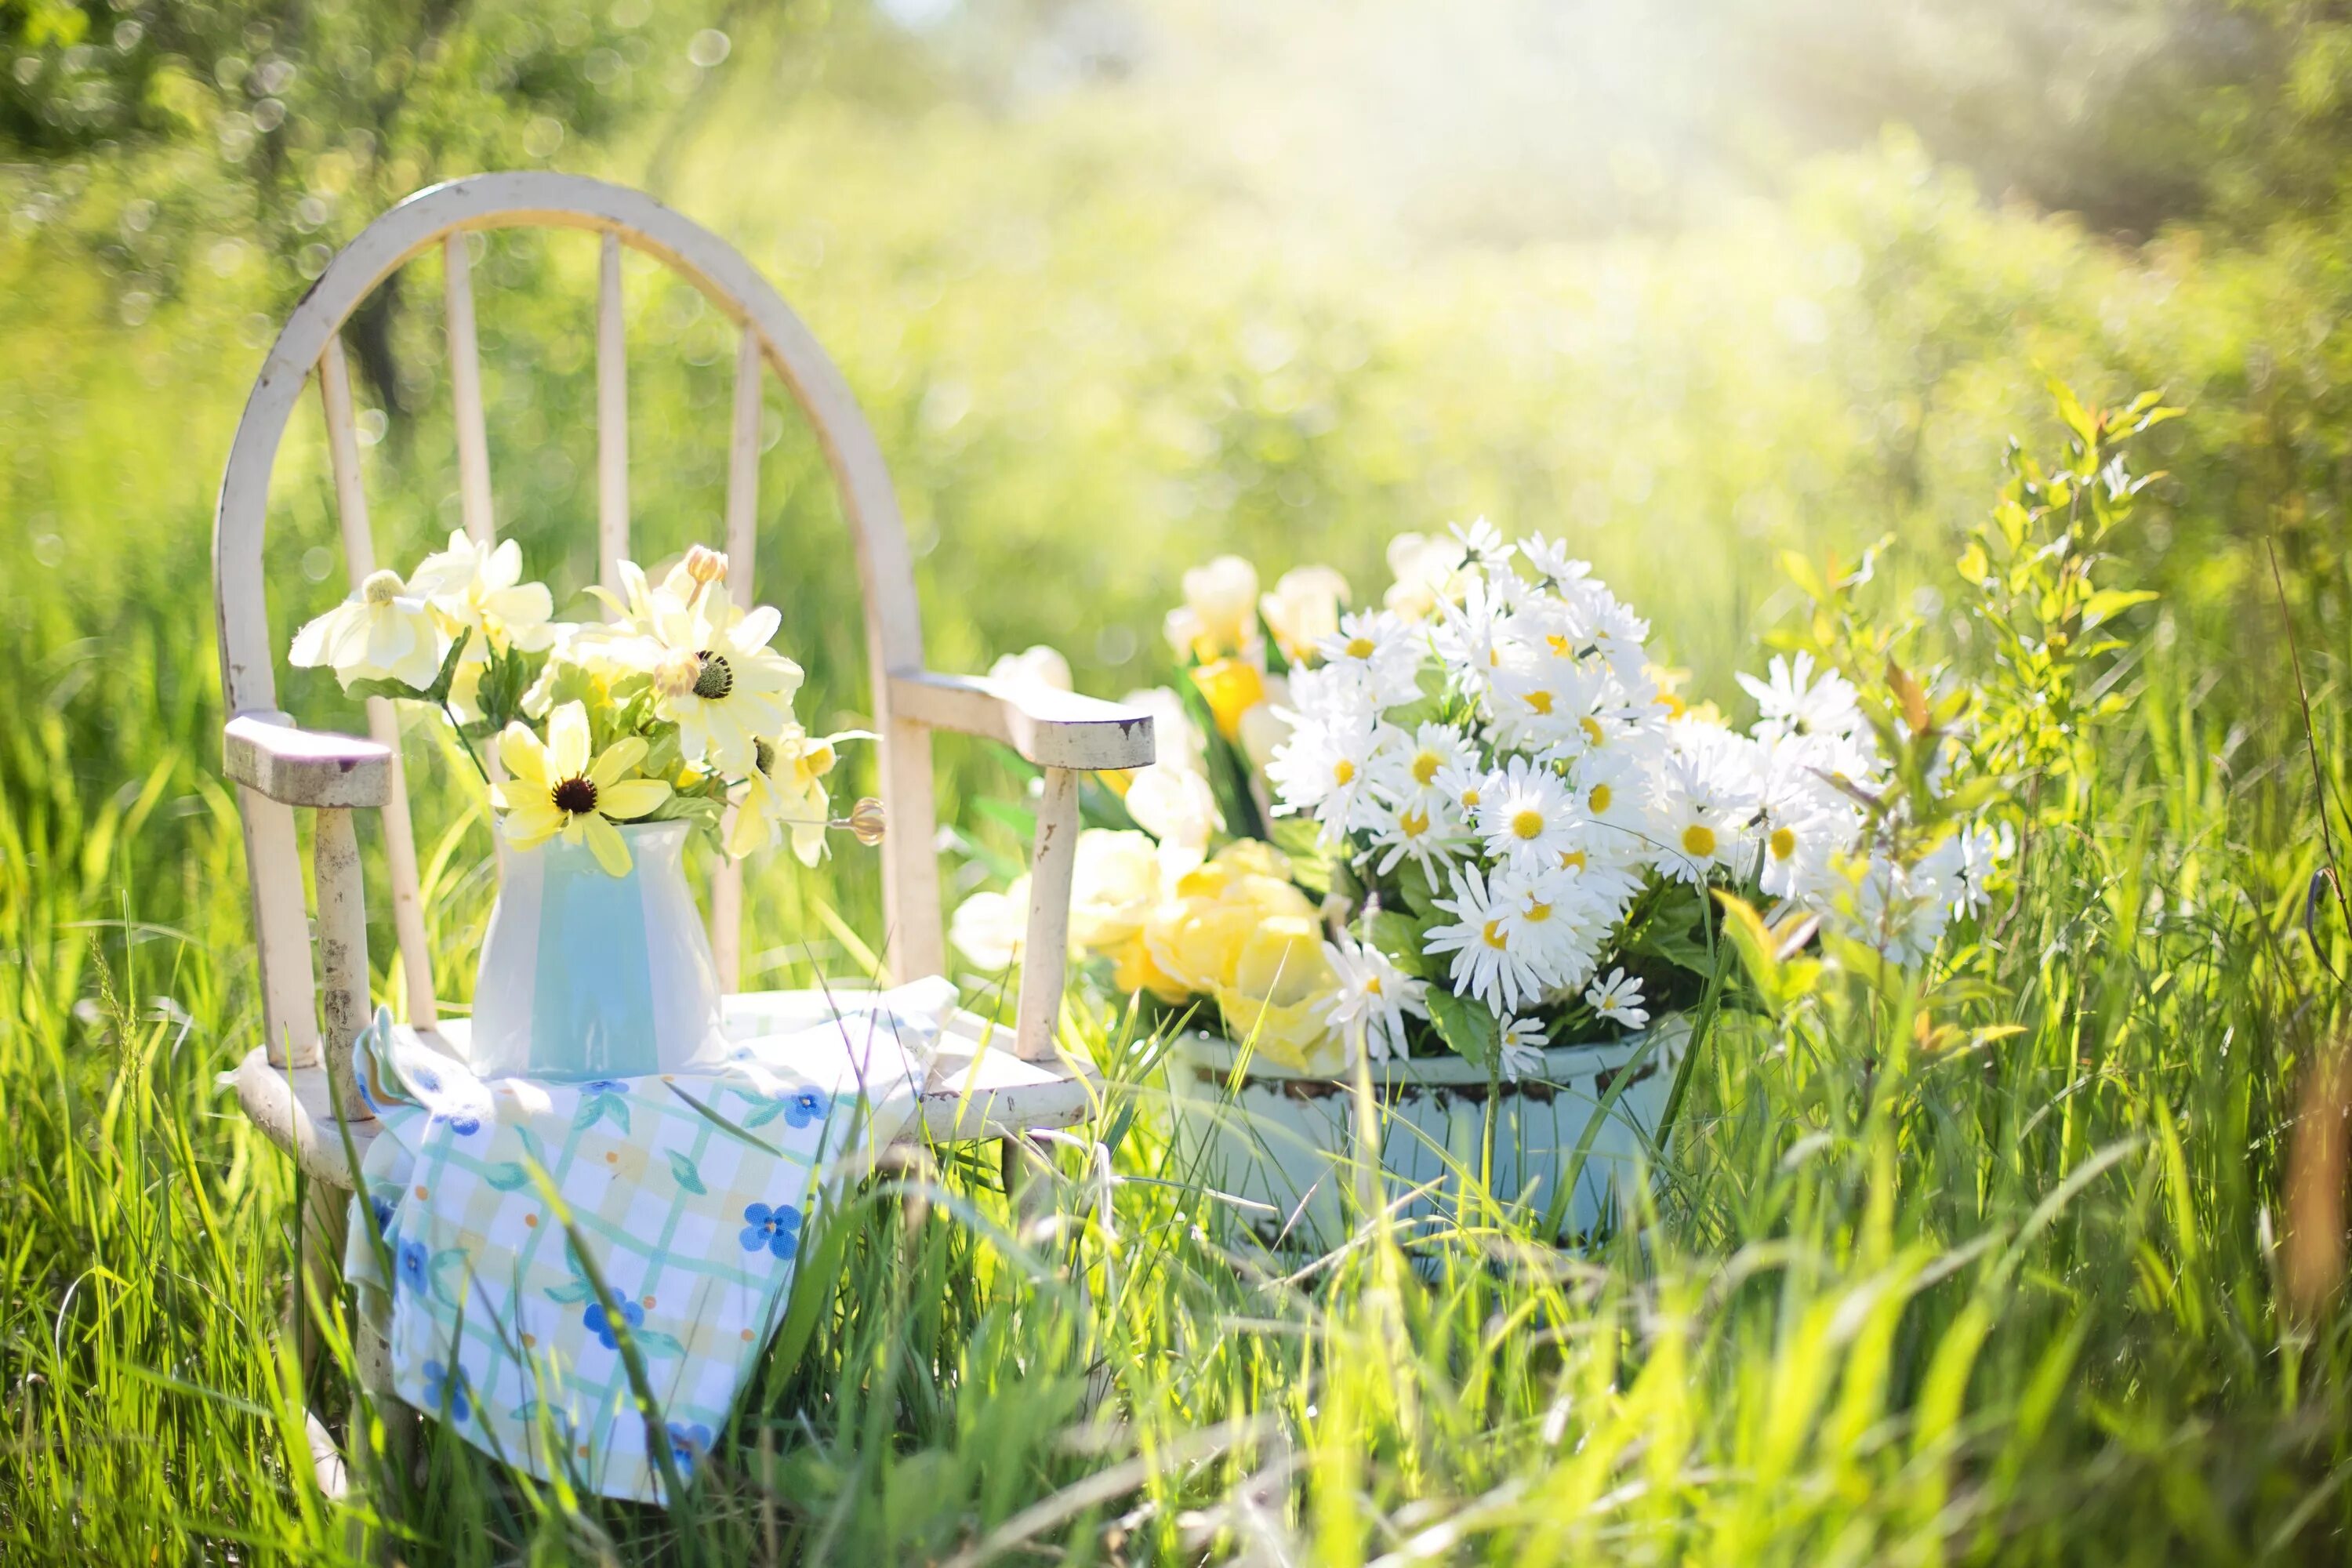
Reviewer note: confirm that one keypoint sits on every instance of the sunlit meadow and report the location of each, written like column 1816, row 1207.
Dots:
column 2034, row 1257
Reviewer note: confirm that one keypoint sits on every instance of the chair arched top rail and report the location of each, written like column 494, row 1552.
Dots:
column 538, row 199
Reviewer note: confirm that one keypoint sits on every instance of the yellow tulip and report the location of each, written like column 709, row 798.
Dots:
column 1233, row 687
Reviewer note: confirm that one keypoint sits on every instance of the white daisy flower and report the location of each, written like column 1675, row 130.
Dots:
column 1382, row 651
column 1373, row 999
column 1526, row 816
column 1485, row 963
column 1618, row 999
column 1791, row 702
column 1520, row 1045
column 1555, row 568
column 1326, row 767
column 1552, row 918
column 1482, row 543
column 1436, row 753
column 1425, row 830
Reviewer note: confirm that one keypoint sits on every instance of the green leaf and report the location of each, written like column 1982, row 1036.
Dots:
column 1413, row 886
column 2109, row 603
column 652, row 1341
column 687, row 1176
column 1300, row 840
column 1466, row 1025
column 571, row 1295
column 1400, row 936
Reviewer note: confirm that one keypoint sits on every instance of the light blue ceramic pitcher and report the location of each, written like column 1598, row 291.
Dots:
column 585, row 975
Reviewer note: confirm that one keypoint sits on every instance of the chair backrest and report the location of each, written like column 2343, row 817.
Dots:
column 772, row 337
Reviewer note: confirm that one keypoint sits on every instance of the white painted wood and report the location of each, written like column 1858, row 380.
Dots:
column 612, row 418
column 304, row 767
column 742, row 537
column 384, row 722
column 281, row 930
column 1047, row 942
column 342, row 953
column 1051, row 729
column 894, row 634
column 465, row 390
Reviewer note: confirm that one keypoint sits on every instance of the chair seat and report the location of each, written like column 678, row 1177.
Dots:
column 978, row 1090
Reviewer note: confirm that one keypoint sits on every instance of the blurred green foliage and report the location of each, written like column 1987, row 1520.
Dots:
column 1122, row 287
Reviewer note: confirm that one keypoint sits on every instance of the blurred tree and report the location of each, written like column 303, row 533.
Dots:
column 289, row 122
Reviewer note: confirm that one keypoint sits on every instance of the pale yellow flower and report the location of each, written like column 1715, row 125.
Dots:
column 989, row 928
column 1281, row 988
column 382, row 632
column 1219, row 615
column 785, row 794
column 1231, row 687
column 1038, row 667
column 1114, row 882
column 1427, row 569
column 742, row 689
column 556, row 787
column 1304, row 608
column 480, row 588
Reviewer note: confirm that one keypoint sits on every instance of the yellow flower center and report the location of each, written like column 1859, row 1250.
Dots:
column 1560, row 644
column 1784, row 844
column 1538, row 913
column 1493, row 935
column 1571, row 861
column 1698, row 838
column 380, row 587
column 1414, row 821
column 1371, row 985
column 1528, row 822
column 1600, row 798
column 1470, row 798
column 1359, row 648
column 1592, row 729
column 1343, row 772
column 1540, row 700
column 1424, row 767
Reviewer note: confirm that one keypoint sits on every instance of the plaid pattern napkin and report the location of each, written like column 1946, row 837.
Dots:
column 692, row 1192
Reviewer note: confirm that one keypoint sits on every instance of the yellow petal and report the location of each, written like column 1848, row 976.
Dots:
column 525, row 757
column 533, row 823
column 631, row 798
column 618, row 759
column 604, row 841
column 567, row 741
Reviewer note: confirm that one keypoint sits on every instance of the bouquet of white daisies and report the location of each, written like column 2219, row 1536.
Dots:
column 1521, row 824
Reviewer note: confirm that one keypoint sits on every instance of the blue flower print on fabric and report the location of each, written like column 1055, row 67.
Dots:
column 426, row 1079
column 463, row 1123
column 605, row 1086
column 381, row 1207
column 594, row 1321
column 439, row 1381
column 688, row 1443
column 414, row 1271
column 802, row 1106
column 776, row 1230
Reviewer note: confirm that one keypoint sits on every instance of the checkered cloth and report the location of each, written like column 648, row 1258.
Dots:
column 692, row 1193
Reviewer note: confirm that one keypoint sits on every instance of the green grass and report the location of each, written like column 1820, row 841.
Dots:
column 2020, row 1296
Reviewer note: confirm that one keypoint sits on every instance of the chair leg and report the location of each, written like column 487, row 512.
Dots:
column 319, row 1264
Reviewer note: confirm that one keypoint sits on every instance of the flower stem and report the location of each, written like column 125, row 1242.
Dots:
column 459, row 731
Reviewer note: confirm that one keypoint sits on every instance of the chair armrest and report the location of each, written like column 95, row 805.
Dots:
column 265, row 753
column 1048, row 728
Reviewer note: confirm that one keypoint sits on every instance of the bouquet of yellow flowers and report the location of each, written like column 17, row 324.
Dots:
column 674, row 708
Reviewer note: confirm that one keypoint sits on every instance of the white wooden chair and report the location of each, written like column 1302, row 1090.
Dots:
column 297, row 1085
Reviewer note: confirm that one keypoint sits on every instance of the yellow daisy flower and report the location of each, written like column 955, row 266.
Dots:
column 557, row 788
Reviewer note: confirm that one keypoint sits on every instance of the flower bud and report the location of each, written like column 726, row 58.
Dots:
column 705, row 565
column 675, row 676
